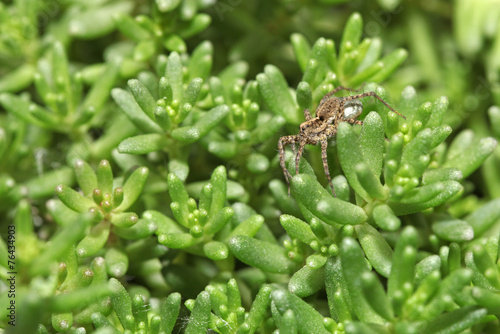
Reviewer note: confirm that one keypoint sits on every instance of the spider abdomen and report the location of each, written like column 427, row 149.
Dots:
column 352, row 109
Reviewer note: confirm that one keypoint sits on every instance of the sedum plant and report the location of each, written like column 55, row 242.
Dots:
column 141, row 189
column 61, row 91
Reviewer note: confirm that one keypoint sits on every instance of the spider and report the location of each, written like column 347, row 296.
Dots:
column 330, row 112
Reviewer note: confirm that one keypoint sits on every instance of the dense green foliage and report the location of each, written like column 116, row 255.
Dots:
column 140, row 171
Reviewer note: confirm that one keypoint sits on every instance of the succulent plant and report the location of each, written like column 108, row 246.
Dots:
column 140, row 182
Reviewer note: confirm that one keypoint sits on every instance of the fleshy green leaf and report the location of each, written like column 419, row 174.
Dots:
column 376, row 248
column 451, row 188
column 122, row 304
column 73, row 199
column 274, row 90
column 116, row 262
column 170, row 310
column 476, row 154
column 453, row 230
column 143, row 97
column 310, row 320
column 134, row 112
column 375, row 295
column 354, row 266
column 349, row 156
column 371, row 141
column 97, row 21
column 306, row 281
column 384, row 217
column 94, row 241
column 317, row 200
column 61, row 244
column 216, row 250
column 143, row 144
column 483, row 218
column 133, row 188
column 298, row 229
column 259, row 307
column 301, row 48
column 200, row 316
column 260, row 254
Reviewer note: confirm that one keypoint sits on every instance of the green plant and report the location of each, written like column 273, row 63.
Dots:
column 142, row 189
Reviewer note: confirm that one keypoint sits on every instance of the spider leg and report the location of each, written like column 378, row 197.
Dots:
column 338, row 89
column 359, row 96
column 307, row 114
column 302, row 143
column 324, row 146
column 283, row 141
column 357, row 121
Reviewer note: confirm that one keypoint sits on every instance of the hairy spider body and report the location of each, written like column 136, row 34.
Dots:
column 330, row 112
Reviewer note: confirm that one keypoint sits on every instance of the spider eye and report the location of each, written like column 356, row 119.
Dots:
column 352, row 109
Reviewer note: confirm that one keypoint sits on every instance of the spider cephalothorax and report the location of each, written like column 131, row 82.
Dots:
column 330, row 112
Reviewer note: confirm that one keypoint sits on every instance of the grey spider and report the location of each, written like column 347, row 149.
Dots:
column 330, row 112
